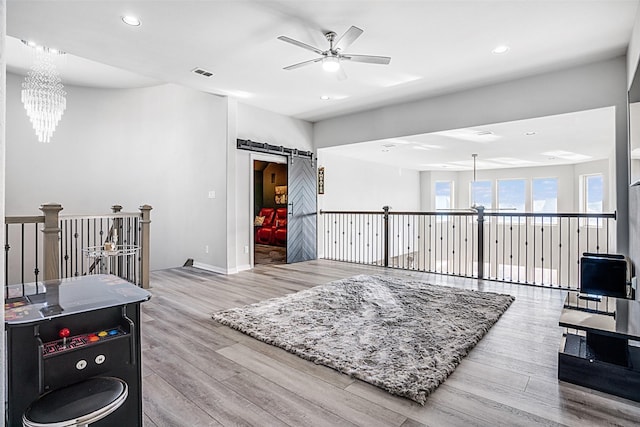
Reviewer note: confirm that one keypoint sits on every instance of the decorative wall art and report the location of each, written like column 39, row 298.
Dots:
column 281, row 194
column 321, row 180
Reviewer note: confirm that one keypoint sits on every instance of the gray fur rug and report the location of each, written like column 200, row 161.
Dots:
column 404, row 336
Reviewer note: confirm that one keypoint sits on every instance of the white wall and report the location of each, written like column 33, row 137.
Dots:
column 259, row 125
column 164, row 146
column 595, row 85
column 352, row 184
column 3, row 63
column 633, row 51
column 355, row 185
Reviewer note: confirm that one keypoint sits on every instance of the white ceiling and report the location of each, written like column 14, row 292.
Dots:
column 436, row 46
column 554, row 140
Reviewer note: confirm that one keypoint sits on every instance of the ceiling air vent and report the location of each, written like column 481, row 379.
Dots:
column 202, row 72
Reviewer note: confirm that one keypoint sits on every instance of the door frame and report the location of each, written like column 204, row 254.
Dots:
column 271, row 158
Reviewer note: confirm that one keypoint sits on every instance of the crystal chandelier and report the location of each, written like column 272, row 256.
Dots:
column 43, row 94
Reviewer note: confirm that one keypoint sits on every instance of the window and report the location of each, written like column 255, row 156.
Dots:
column 511, row 194
column 592, row 193
column 481, row 194
column 443, row 195
column 592, row 196
column 544, row 195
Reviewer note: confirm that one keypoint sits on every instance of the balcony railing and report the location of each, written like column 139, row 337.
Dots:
column 54, row 246
column 532, row 248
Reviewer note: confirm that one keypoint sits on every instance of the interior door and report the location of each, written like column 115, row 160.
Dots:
column 302, row 210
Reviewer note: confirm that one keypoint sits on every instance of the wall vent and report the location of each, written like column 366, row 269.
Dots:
column 203, row 72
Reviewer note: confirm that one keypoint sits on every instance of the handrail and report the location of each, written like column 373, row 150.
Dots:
column 103, row 216
column 24, row 219
column 542, row 249
column 465, row 212
column 54, row 250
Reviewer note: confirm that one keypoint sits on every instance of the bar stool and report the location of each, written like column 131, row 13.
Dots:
column 77, row 405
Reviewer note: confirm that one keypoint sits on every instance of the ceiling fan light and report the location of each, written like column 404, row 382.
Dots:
column 331, row 64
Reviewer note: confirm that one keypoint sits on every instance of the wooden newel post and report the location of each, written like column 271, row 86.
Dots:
column 145, row 210
column 51, row 250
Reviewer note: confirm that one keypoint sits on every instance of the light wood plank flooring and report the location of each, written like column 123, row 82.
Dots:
column 199, row 373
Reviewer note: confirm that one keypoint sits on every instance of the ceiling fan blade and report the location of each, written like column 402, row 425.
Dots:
column 347, row 38
column 369, row 59
column 341, row 74
column 300, row 44
column 302, row 64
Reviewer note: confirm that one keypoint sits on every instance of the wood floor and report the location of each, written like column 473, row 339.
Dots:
column 268, row 254
column 199, row 373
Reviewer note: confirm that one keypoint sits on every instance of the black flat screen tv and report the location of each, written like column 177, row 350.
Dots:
column 603, row 275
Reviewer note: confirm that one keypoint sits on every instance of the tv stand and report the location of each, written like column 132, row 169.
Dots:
column 599, row 355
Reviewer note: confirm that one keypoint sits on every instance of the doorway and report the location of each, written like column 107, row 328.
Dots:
column 270, row 199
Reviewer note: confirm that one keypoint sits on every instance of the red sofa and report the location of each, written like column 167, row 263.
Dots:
column 280, row 227
column 264, row 231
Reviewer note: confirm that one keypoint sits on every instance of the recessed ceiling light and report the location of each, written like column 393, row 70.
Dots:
column 529, row 133
column 566, row 155
column 131, row 20
column 325, row 97
column 473, row 135
column 511, row 161
column 500, row 49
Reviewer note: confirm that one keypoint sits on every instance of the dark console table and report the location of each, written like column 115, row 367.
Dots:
column 597, row 353
column 63, row 332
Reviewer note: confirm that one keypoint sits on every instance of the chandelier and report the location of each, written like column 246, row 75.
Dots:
column 43, row 94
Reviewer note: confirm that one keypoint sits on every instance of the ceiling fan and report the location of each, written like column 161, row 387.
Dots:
column 332, row 57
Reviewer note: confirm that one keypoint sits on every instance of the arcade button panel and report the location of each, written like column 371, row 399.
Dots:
column 72, row 358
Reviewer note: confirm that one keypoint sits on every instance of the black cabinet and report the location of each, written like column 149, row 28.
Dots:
column 64, row 332
column 597, row 353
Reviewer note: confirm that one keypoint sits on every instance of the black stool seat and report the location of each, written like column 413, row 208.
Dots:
column 78, row 404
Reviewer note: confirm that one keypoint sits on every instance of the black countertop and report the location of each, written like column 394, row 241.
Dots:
column 34, row 302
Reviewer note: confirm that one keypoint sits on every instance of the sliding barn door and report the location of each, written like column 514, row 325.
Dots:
column 301, row 226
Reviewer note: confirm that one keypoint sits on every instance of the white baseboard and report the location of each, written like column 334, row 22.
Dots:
column 220, row 270
column 209, row 267
column 244, row 267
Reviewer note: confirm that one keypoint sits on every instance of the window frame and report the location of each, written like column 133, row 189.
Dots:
column 524, row 192
column 491, row 192
column 584, row 192
column 451, row 194
column 533, row 180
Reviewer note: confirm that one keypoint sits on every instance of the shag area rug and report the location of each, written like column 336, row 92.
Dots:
column 404, row 336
